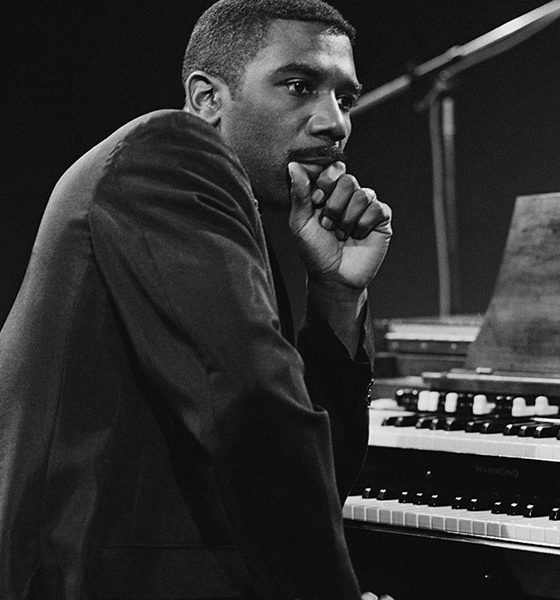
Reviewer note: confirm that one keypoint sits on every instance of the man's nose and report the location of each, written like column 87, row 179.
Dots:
column 328, row 120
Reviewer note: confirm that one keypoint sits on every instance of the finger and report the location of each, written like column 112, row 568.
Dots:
column 317, row 197
column 300, row 190
column 377, row 216
column 327, row 179
column 359, row 202
column 369, row 596
column 337, row 201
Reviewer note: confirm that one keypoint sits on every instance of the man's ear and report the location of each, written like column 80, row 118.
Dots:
column 205, row 96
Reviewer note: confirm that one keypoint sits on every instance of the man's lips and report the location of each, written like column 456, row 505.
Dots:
column 319, row 162
column 322, row 155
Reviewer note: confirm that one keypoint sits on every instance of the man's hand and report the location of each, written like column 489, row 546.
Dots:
column 342, row 230
column 370, row 596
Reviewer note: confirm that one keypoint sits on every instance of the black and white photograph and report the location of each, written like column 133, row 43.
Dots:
column 280, row 301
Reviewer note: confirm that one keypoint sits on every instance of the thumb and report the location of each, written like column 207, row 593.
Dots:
column 300, row 182
column 301, row 210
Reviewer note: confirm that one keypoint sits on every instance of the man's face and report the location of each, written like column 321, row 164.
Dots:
column 293, row 103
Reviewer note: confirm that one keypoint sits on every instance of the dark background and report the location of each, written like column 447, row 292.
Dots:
column 74, row 71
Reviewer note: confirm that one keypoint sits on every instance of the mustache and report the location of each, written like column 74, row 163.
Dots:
column 320, row 153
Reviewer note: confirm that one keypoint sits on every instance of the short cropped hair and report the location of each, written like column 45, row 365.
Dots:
column 230, row 33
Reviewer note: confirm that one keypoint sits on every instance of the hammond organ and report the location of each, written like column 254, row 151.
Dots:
column 460, row 493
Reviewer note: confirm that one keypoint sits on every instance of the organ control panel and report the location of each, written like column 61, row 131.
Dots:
column 460, row 493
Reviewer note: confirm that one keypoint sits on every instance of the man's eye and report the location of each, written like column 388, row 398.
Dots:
column 296, row 87
column 347, row 103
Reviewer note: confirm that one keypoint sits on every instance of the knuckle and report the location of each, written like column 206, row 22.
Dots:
column 327, row 178
column 372, row 196
column 348, row 182
column 360, row 197
column 331, row 211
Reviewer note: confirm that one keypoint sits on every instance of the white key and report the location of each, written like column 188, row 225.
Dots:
column 481, row 406
column 347, row 509
column 452, row 522
column 448, row 519
column 372, row 512
column 480, row 522
column 359, row 509
column 426, row 515
column 546, row 448
column 386, row 508
column 519, row 408
column 433, row 401
column 397, row 515
column 521, row 530
column 410, row 517
column 494, row 524
column 438, row 521
column 515, row 528
column 466, row 525
column 492, row 443
column 552, row 534
column 538, row 528
column 423, row 401
column 451, row 399
column 543, row 408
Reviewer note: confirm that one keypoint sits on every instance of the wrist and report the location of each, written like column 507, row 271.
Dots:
column 342, row 307
column 335, row 292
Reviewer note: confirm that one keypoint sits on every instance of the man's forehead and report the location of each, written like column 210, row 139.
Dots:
column 300, row 42
column 307, row 36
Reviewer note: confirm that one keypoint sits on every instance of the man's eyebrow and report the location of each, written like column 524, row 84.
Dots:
column 352, row 85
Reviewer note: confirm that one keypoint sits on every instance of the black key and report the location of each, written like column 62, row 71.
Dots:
column 503, row 405
column 539, row 508
column 425, row 422
column 388, row 493
column 480, row 502
column 406, row 496
column 547, row 430
column 555, row 514
column 406, row 420
column 518, row 506
column 464, row 405
column 513, row 428
column 440, row 499
column 460, row 501
column 407, row 398
column 421, row 497
column 370, row 492
column 527, row 430
column 457, row 423
column 495, row 426
column 499, row 507
column 438, row 423
column 476, row 425
column 388, row 421
column 498, row 425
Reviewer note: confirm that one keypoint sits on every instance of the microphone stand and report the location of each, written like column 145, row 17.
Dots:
column 440, row 105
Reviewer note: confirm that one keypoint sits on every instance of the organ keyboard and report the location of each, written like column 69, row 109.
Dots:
column 483, row 524
column 460, row 493
column 485, row 506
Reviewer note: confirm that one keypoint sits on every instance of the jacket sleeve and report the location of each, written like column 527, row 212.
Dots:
column 341, row 385
column 178, row 242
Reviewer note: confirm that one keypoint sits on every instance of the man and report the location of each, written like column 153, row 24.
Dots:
column 158, row 439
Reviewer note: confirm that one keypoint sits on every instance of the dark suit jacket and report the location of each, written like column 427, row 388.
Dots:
column 157, row 438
